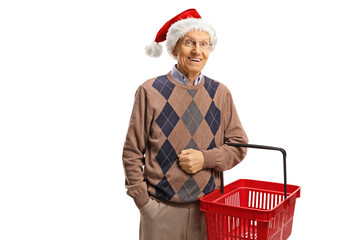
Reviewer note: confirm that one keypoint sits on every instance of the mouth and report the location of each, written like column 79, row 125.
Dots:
column 194, row 59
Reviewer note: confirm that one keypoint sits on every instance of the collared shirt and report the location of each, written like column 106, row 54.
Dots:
column 178, row 76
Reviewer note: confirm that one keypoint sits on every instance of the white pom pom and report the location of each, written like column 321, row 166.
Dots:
column 154, row 49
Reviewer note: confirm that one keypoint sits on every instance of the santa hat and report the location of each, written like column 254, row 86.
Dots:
column 176, row 28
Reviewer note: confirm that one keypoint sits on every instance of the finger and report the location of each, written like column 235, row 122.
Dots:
column 186, row 169
column 184, row 158
column 189, row 170
column 185, row 151
column 183, row 166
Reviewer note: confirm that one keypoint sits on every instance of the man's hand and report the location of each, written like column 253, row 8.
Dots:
column 191, row 160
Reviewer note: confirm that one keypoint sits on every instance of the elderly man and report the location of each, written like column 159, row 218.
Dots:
column 174, row 149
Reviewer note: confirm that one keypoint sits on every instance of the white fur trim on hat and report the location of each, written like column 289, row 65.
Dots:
column 154, row 49
column 181, row 27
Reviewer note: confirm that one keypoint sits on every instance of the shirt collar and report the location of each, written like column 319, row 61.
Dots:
column 178, row 76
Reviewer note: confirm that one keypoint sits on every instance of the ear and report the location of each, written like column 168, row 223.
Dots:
column 174, row 52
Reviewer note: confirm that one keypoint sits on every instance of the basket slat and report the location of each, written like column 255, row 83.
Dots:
column 250, row 209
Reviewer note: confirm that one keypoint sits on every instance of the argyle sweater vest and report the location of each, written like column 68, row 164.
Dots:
column 167, row 118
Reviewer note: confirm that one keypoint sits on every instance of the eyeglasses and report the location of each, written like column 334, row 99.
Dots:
column 192, row 43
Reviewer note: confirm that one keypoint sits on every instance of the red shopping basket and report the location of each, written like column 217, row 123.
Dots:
column 251, row 209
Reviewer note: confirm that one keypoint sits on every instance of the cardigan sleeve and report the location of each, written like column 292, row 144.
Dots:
column 134, row 149
column 225, row 157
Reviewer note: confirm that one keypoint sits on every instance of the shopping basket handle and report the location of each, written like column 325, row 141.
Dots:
column 259, row 147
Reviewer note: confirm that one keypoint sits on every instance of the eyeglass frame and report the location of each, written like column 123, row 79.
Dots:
column 195, row 43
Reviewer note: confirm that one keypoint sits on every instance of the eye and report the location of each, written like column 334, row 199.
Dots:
column 204, row 43
column 188, row 42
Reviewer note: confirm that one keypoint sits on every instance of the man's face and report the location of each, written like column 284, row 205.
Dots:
column 191, row 60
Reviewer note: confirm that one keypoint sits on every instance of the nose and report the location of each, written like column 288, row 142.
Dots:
column 196, row 48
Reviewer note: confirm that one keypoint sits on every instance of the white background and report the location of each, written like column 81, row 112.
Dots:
column 69, row 71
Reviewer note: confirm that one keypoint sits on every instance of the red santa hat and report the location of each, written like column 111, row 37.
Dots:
column 176, row 28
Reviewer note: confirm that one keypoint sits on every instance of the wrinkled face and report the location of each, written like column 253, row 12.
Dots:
column 191, row 60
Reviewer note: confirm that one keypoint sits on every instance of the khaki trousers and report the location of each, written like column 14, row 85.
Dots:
column 162, row 222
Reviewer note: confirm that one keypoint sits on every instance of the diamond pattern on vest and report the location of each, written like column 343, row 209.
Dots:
column 167, row 119
column 192, row 118
column 201, row 123
column 192, row 92
column 192, row 144
column 189, row 191
column 212, row 145
column 164, row 190
column 166, row 156
column 164, row 86
column 213, row 118
column 209, row 186
column 211, row 86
